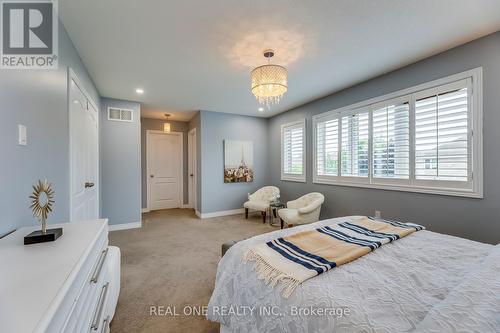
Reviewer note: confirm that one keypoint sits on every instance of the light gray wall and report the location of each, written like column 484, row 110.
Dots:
column 217, row 127
column 157, row 125
column 37, row 99
column 195, row 122
column 120, row 152
column 470, row 218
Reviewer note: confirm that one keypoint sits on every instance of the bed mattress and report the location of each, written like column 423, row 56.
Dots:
column 412, row 284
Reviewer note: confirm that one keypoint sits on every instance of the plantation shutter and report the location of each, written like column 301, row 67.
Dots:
column 391, row 141
column 293, row 149
column 327, row 147
column 354, row 145
column 441, row 134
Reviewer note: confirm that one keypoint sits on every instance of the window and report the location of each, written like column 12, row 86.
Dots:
column 354, row 153
column 293, row 148
column 391, row 140
column 441, row 134
column 422, row 139
column 430, row 163
column 328, row 147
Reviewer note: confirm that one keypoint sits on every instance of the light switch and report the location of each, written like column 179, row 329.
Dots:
column 23, row 141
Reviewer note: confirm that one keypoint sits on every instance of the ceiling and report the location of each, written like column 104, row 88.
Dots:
column 152, row 112
column 197, row 55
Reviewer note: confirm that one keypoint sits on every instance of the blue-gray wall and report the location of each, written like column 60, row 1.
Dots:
column 217, row 127
column 195, row 122
column 120, row 155
column 470, row 218
column 157, row 125
column 37, row 99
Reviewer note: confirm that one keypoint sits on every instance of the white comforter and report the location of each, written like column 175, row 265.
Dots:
column 423, row 282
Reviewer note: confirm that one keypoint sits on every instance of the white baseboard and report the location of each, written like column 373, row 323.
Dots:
column 220, row 213
column 124, row 226
column 183, row 206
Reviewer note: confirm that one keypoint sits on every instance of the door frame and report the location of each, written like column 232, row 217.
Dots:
column 181, row 165
column 71, row 76
column 192, row 163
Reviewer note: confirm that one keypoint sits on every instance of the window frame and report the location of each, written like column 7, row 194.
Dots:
column 392, row 181
column 289, row 176
column 351, row 178
column 472, row 188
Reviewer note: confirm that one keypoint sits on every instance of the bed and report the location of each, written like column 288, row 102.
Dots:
column 426, row 282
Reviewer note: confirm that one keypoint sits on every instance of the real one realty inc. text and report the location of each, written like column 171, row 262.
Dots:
column 242, row 310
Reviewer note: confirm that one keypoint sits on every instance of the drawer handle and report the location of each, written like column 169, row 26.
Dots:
column 100, row 307
column 97, row 271
column 105, row 325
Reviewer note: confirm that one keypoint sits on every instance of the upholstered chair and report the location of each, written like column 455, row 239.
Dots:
column 303, row 210
column 260, row 200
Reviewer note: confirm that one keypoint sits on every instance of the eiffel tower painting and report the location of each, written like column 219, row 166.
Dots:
column 238, row 161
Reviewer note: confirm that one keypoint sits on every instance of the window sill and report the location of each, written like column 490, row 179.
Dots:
column 405, row 188
column 298, row 179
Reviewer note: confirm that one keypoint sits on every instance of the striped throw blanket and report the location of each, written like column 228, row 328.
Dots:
column 293, row 259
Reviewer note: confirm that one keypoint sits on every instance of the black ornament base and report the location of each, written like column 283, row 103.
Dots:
column 37, row 236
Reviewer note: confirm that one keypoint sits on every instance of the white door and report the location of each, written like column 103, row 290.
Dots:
column 192, row 168
column 164, row 164
column 84, row 156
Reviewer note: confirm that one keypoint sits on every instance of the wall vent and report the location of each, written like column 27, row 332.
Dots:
column 116, row 114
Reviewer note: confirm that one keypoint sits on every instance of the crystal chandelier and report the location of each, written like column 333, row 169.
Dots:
column 269, row 82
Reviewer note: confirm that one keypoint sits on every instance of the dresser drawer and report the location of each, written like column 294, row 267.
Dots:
column 69, row 307
column 84, row 290
column 87, row 305
column 104, row 309
column 95, row 312
column 63, row 268
column 93, row 281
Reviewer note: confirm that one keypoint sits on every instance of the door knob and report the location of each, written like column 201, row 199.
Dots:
column 191, row 175
column 152, row 176
column 88, row 184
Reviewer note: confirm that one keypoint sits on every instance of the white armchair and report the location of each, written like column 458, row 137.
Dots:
column 261, row 199
column 304, row 210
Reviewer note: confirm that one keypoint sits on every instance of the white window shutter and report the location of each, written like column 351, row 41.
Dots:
column 391, row 141
column 441, row 136
column 327, row 147
column 293, row 151
column 425, row 139
column 354, row 145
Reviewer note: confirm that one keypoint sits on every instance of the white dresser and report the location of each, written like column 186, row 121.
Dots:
column 70, row 285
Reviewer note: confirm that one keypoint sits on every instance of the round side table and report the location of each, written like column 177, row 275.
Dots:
column 273, row 207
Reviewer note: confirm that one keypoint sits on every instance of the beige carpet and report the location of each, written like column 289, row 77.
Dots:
column 172, row 261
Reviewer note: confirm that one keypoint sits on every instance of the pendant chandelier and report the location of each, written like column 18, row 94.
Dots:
column 269, row 82
column 166, row 126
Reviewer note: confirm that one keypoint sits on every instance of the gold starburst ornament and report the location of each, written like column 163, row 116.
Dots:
column 42, row 201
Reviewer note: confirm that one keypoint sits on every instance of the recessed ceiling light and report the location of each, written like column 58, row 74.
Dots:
column 261, row 109
column 139, row 91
